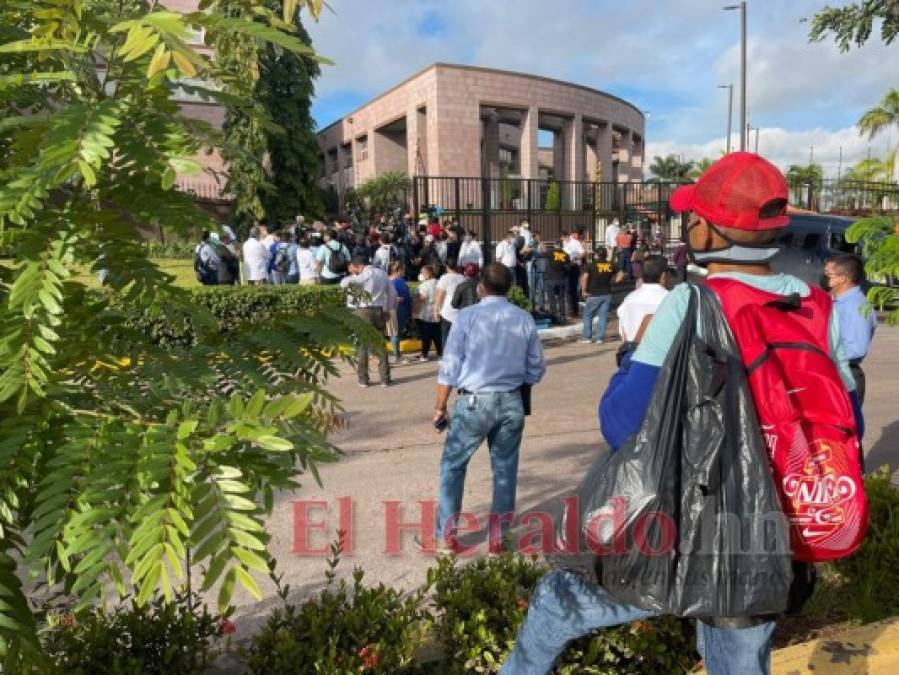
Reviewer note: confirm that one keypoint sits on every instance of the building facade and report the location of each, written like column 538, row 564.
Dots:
column 464, row 121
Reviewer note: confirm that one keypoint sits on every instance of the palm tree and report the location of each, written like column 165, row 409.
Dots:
column 701, row 167
column 670, row 168
column 805, row 179
column 880, row 118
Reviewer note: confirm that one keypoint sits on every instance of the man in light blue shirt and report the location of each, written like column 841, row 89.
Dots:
column 856, row 316
column 492, row 351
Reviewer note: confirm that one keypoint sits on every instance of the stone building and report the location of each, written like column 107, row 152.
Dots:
column 464, row 121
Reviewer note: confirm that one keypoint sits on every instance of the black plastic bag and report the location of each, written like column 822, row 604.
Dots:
column 684, row 518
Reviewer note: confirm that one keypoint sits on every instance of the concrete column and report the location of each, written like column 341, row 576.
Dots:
column 559, row 155
column 624, row 158
column 491, row 146
column 636, row 157
column 412, row 140
column 575, row 158
column 530, row 149
column 341, row 159
column 604, row 151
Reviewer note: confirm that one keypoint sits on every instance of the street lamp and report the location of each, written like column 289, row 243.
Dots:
column 750, row 129
column 742, row 8
column 730, row 110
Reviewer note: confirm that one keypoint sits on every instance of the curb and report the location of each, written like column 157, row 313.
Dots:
column 872, row 649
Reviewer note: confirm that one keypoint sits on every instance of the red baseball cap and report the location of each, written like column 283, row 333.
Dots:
column 742, row 190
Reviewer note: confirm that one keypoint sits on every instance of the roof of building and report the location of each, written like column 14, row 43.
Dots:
column 456, row 66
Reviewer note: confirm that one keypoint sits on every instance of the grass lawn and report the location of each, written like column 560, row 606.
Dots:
column 181, row 269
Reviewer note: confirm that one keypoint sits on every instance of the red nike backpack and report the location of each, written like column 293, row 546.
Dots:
column 805, row 414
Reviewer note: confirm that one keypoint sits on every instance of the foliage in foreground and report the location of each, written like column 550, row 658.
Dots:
column 879, row 237
column 347, row 628
column 111, row 475
column 480, row 607
column 158, row 638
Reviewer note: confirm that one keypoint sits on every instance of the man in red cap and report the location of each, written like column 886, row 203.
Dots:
column 736, row 210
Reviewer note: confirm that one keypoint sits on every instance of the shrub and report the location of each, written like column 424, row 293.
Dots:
column 161, row 637
column 481, row 606
column 183, row 250
column 232, row 308
column 348, row 628
column 519, row 299
column 863, row 587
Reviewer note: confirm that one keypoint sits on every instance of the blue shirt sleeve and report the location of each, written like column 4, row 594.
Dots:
column 623, row 406
column 454, row 353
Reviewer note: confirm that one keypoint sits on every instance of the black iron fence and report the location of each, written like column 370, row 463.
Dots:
column 490, row 206
column 855, row 198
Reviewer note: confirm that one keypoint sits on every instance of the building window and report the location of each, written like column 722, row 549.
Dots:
column 362, row 145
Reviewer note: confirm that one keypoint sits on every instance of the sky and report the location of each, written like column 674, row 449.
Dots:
column 665, row 56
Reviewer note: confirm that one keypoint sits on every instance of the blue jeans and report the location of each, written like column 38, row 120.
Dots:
column 596, row 305
column 624, row 262
column 498, row 418
column 565, row 606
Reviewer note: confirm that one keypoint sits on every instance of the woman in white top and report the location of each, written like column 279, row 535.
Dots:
column 306, row 264
column 470, row 251
column 426, row 313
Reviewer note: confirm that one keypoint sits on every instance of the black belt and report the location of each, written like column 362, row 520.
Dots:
column 855, row 363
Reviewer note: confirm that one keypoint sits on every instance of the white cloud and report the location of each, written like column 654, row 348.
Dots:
column 665, row 56
column 785, row 147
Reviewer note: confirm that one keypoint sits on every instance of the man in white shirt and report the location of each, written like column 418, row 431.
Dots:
column 524, row 231
column 371, row 296
column 612, row 232
column 575, row 250
column 443, row 301
column 639, row 306
column 306, row 264
column 255, row 258
column 470, row 251
column 506, row 253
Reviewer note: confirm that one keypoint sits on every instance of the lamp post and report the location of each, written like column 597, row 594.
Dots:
column 742, row 8
column 730, row 110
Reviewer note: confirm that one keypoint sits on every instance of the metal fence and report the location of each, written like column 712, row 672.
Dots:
column 490, row 206
column 855, row 198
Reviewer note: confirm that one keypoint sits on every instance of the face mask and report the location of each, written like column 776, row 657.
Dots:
column 733, row 253
column 421, row 277
column 824, row 281
column 466, row 239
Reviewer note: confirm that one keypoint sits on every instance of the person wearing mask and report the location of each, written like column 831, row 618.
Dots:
column 623, row 242
column 637, row 258
column 430, row 256
column 493, row 351
column 255, row 258
column 206, row 261
column 736, row 211
column 611, row 238
column 293, row 271
column 279, row 261
column 640, row 305
column 446, row 290
column 539, row 265
column 425, row 311
column 470, row 251
column 371, row 295
column 596, row 285
column 332, row 259
column 506, row 253
column 385, row 254
column 306, row 265
column 403, row 311
column 228, row 272
column 557, row 267
column 413, row 257
column 453, row 245
column 575, row 250
column 842, row 276
column 466, row 293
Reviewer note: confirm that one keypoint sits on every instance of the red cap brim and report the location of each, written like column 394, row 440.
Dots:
column 682, row 198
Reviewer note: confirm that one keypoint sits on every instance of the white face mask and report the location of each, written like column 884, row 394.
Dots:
column 467, row 239
column 421, row 277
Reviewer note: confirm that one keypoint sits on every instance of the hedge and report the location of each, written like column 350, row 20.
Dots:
column 235, row 306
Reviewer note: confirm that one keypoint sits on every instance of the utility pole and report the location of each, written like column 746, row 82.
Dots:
column 742, row 8
column 811, row 155
column 730, row 110
column 840, row 165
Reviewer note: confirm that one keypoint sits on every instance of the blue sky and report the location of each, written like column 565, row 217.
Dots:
column 665, row 56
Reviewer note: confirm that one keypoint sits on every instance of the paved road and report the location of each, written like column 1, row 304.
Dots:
column 392, row 453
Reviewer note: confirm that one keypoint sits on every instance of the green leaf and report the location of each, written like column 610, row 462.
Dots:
column 186, row 428
column 148, row 586
column 226, row 592
column 247, row 581
column 252, row 560
column 273, row 443
column 20, row 46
